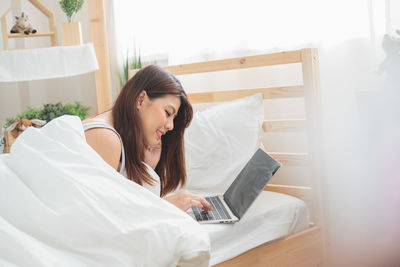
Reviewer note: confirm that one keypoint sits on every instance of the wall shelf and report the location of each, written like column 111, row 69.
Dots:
column 99, row 38
column 43, row 9
column 22, row 35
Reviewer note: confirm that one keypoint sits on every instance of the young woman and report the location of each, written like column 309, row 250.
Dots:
column 142, row 135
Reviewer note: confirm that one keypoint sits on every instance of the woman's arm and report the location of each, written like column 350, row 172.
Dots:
column 106, row 143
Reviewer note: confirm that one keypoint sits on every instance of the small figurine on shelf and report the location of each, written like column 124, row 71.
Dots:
column 22, row 25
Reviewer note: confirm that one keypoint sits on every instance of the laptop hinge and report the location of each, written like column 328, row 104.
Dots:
column 231, row 208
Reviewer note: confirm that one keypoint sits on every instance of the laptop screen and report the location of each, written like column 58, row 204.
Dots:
column 250, row 182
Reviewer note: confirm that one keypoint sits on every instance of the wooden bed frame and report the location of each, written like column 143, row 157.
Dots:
column 305, row 248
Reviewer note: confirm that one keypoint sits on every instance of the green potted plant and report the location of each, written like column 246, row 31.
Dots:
column 71, row 33
column 47, row 113
column 71, row 7
column 51, row 111
column 130, row 63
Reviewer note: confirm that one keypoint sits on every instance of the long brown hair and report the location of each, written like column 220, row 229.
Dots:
column 157, row 82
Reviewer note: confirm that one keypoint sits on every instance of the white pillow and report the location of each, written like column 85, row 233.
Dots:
column 219, row 142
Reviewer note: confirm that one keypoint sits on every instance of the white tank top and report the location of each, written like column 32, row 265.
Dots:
column 156, row 189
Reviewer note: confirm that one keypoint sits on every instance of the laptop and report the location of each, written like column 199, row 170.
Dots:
column 231, row 206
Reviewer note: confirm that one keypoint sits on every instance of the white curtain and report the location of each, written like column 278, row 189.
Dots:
column 359, row 105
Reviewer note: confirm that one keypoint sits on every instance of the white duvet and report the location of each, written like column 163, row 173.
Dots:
column 62, row 205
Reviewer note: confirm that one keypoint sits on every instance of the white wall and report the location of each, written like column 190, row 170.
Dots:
column 16, row 97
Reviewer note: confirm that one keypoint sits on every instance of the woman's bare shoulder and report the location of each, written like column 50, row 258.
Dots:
column 106, row 143
column 105, row 118
column 94, row 120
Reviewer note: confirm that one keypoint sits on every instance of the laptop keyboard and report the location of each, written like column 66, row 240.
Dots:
column 218, row 213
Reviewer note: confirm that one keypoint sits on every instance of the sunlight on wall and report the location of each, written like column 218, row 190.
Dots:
column 183, row 29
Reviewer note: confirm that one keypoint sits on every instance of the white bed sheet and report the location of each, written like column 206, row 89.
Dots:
column 272, row 215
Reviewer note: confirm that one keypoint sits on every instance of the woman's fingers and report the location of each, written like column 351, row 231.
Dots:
column 194, row 202
column 184, row 200
column 206, row 206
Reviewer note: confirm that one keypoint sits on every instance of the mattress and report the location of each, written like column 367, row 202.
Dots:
column 271, row 216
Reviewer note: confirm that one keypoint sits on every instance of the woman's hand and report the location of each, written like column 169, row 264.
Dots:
column 184, row 200
column 152, row 155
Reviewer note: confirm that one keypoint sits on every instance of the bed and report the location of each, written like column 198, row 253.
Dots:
column 61, row 204
column 303, row 246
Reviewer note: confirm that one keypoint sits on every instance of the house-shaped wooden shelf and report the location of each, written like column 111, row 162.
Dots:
column 47, row 12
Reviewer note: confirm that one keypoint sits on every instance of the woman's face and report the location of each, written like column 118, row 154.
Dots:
column 157, row 116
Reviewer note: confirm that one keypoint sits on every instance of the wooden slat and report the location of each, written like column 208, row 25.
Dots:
column 238, row 63
column 312, row 99
column 4, row 32
column 291, row 159
column 53, row 28
column 100, row 42
column 295, row 125
column 286, row 57
column 301, row 249
column 22, row 35
column 302, row 192
column 268, row 93
column 4, row 25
